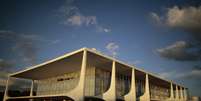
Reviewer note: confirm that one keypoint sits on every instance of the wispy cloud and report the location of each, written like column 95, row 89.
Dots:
column 79, row 20
column 24, row 45
column 156, row 18
column 112, row 48
column 73, row 17
column 137, row 62
column 25, row 48
column 5, row 65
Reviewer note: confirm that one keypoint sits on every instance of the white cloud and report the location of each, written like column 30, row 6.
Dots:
column 112, row 48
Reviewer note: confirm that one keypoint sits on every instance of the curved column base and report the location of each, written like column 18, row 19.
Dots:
column 131, row 96
column 110, row 94
column 146, row 95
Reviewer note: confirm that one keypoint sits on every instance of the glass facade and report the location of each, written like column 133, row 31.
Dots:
column 158, row 92
column 102, row 81
column 140, row 87
column 90, row 81
column 57, row 85
column 122, row 85
column 97, row 82
column 19, row 87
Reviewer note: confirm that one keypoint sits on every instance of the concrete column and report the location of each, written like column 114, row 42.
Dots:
column 78, row 92
column 177, row 94
column 32, row 88
column 6, row 90
column 185, row 95
column 171, row 93
column 146, row 95
column 181, row 94
column 110, row 94
column 131, row 96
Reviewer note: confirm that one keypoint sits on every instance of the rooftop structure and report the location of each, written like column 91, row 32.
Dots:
column 86, row 74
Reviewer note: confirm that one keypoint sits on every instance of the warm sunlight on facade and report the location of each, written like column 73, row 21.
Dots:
column 86, row 74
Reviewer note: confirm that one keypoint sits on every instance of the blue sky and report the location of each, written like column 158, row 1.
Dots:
column 161, row 36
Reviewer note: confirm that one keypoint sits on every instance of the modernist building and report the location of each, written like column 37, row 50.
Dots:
column 89, row 75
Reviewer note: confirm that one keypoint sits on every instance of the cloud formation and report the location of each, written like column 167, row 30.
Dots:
column 193, row 73
column 6, row 66
column 181, row 51
column 187, row 19
column 112, row 48
column 23, row 44
column 79, row 20
column 74, row 17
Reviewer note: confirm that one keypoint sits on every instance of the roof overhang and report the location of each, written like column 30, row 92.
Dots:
column 73, row 60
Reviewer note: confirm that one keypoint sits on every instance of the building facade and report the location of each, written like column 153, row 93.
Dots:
column 89, row 75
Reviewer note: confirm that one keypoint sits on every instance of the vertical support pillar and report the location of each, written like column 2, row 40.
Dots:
column 6, row 90
column 177, row 94
column 171, row 93
column 146, row 96
column 131, row 96
column 181, row 94
column 78, row 92
column 185, row 95
column 32, row 88
column 110, row 94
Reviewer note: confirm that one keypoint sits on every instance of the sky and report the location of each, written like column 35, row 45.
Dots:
column 159, row 36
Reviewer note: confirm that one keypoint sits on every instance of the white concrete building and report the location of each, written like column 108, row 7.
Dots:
column 89, row 75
